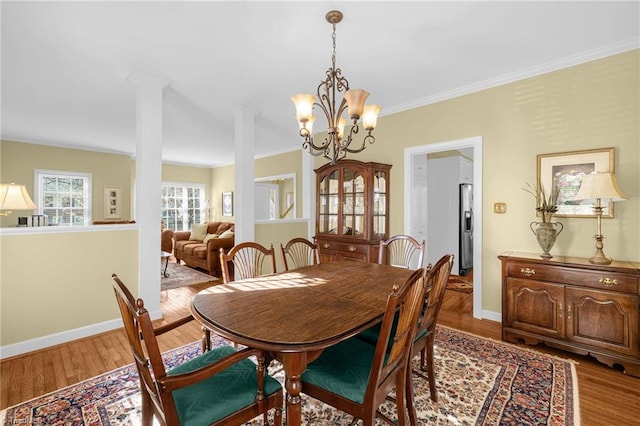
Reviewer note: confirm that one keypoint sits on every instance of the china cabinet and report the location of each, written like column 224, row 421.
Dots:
column 352, row 210
column 568, row 303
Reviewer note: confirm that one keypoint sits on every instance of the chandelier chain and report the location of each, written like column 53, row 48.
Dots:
column 333, row 55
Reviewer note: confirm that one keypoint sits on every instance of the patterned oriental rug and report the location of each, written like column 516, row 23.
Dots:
column 181, row 275
column 480, row 382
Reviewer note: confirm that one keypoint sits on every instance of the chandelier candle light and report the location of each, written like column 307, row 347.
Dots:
column 335, row 147
column 599, row 186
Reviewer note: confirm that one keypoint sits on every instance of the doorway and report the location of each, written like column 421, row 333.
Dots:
column 416, row 189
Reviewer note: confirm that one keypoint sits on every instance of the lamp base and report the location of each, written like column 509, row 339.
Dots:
column 599, row 258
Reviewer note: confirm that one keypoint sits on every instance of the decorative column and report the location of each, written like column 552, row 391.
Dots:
column 244, row 199
column 148, row 193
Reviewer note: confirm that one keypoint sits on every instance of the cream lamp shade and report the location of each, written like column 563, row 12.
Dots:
column 600, row 185
column 14, row 197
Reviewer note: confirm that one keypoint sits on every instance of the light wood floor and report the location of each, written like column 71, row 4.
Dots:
column 607, row 396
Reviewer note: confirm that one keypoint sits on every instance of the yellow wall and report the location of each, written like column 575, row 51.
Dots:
column 222, row 180
column 53, row 282
column 279, row 233
column 281, row 164
column 19, row 160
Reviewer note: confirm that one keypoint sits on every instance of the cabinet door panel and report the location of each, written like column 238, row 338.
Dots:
column 603, row 319
column 537, row 307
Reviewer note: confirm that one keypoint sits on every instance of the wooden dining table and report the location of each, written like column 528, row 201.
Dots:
column 295, row 315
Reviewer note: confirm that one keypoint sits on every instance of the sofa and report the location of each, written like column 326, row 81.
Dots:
column 201, row 246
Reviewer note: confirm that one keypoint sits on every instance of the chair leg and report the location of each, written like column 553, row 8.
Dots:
column 277, row 418
column 206, row 339
column 146, row 408
column 430, row 370
column 409, row 396
column 401, row 397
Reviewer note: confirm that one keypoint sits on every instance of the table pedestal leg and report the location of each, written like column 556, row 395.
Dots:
column 294, row 365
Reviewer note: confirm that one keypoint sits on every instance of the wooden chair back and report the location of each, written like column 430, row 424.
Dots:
column 157, row 386
column 247, row 260
column 436, row 285
column 390, row 356
column 402, row 251
column 437, row 279
column 146, row 353
column 299, row 252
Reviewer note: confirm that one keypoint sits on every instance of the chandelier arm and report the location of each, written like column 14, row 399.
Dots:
column 311, row 145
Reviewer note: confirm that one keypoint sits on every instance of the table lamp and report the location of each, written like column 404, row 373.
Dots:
column 600, row 186
column 14, row 197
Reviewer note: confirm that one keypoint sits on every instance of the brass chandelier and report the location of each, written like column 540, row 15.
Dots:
column 335, row 147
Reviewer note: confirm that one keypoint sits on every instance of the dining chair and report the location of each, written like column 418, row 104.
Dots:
column 436, row 283
column 355, row 376
column 299, row 252
column 222, row 386
column 247, row 260
column 400, row 251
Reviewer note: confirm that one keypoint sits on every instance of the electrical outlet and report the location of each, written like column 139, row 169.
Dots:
column 500, row 208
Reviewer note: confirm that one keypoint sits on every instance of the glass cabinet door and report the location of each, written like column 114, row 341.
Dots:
column 328, row 199
column 380, row 204
column 353, row 203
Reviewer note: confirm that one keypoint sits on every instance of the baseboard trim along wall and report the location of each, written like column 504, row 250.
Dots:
column 43, row 342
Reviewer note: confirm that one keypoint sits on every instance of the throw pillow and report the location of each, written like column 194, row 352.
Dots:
column 209, row 237
column 198, row 231
column 227, row 234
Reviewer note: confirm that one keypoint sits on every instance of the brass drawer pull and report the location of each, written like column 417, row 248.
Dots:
column 560, row 312
column 326, row 245
column 352, row 247
column 608, row 282
column 569, row 312
column 527, row 272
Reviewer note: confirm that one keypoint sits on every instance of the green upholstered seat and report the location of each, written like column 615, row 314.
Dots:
column 343, row 369
column 222, row 394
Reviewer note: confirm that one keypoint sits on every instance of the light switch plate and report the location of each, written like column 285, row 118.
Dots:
column 500, row 208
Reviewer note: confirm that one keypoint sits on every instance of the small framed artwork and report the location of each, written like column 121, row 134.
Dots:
column 227, row 204
column 112, row 202
column 564, row 170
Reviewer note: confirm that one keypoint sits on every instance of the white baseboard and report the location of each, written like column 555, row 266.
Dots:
column 38, row 343
column 493, row 316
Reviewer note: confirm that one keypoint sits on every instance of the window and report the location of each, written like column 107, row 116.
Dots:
column 64, row 197
column 182, row 205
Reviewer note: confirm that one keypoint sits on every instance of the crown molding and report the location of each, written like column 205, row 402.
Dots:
column 566, row 62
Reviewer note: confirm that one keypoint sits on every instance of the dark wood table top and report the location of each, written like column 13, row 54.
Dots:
column 302, row 310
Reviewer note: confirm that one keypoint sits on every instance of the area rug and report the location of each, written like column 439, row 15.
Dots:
column 180, row 276
column 459, row 284
column 480, row 382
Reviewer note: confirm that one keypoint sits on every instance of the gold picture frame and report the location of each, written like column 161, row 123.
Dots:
column 565, row 170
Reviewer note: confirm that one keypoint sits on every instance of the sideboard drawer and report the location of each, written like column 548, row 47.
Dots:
column 614, row 281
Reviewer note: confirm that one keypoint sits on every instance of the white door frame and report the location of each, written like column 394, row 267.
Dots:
column 474, row 142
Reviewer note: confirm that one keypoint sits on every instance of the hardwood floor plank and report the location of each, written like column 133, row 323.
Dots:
column 607, row 396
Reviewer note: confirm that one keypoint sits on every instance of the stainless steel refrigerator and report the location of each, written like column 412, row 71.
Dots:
column 465, row 251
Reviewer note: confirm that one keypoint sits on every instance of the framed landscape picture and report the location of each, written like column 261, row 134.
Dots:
column 564, row 170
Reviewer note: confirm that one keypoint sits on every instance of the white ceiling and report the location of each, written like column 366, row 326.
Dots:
column 65, row 64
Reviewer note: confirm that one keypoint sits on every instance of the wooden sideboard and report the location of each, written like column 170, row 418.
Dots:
column 570, row 304
column 352, row 210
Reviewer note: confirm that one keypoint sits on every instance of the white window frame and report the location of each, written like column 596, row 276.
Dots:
column 39, row 174
column 186, row 226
